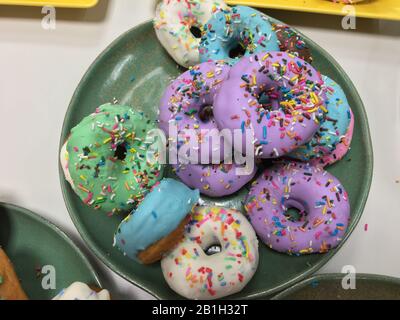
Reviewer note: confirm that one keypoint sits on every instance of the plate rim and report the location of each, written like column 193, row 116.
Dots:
column 261, row 293
column 333, row 276
column 55, row 228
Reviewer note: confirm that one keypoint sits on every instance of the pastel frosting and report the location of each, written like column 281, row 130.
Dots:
column 108, row 158
column 173, row 25
column 183, row 105
column 194, row 274
column 321, row 202
column 237, row 27
column 341, row 148
column 278, row 96
column 160, row 213
column 81, row 291
column 213, row 180
column 334, row 126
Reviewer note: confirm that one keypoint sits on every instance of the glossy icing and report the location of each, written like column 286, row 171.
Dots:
column 173, row 22
column 341, row 148
column 81, row 291
column 333, row 128
column 182, row 105
column 236, row 27
column 193, row 274
column 104, row 179
column 213, row 180
column 321, row 201
column 278, row 95
column 160, row 213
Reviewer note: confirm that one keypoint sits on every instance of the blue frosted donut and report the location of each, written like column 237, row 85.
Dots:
column 235, row 32
column 333, row 128
column 162, row 213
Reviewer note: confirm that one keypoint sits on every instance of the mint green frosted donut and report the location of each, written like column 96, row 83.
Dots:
column 107, row 158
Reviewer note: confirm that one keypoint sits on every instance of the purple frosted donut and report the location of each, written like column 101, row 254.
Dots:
column 213, row 180
column 319, row 197
column 187, row 102
column 278, row 95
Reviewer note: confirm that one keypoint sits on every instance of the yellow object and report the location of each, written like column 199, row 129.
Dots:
column 376, row 9
column 55, row 3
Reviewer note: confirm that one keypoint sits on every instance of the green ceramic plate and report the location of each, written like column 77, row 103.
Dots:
column 32, row 243
column 135, row 69
column 329, row 287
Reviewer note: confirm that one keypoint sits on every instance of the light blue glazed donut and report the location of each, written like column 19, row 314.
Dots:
column 160, row 213
column 239, row 31
column 333, row 128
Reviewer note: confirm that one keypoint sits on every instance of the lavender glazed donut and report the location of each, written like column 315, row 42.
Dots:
column 320, row 198
column 187, row 102
column 292, row 102
column 213, row 180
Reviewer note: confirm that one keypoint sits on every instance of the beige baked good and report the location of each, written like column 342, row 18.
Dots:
column 10, row 287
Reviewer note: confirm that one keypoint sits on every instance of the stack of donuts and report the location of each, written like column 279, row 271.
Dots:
column 252, row 80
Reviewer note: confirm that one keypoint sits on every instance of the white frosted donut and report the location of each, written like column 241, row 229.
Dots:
column 173, row 22
column 193, row 274
column 64, row 164
column 80, row 291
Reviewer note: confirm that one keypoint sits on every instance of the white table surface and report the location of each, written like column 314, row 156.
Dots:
column 39, row 71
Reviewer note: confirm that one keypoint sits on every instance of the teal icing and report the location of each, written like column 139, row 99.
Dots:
column 238, row 27
column 160, row 213
column 333, row 128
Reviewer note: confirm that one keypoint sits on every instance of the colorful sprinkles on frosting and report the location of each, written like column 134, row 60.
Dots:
column 281, row 97
column 187, row 103
column 214, row 180
column 320, row 199
column 334, row 127
column 234, row 32
column 107, row 158
column 174, row 23
column 211, row 277
column 292, row 42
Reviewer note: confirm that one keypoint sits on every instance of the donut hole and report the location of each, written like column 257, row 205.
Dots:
column 295, row 211
column 211, row 244
column 213, row 249
column 265, row 101
column 206, row 113
column 120, row 152
column 269, row 97
column 237, row 51
column 294, row 214
column 195, row 31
